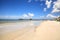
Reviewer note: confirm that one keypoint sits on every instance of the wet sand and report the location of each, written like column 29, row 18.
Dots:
column 11, row 31
column 17, row 33
column 48, row 30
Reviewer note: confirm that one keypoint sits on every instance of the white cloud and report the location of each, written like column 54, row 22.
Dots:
column 48, row 3
column 45, row 9
column 27, row 16
column 31, row 14
column 51, row 16
column 24, row 16
column 29, row 1
column 56, row 6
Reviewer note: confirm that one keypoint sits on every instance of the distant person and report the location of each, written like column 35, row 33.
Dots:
column 35, row 28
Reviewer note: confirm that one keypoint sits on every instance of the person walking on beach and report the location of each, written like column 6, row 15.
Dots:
column 35, row 28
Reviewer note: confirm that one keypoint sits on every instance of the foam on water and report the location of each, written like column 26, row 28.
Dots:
column 12, row 26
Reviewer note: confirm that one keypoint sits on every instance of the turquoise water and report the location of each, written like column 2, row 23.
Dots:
column 8, row 26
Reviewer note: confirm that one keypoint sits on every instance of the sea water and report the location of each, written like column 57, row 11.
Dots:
column 12, row 25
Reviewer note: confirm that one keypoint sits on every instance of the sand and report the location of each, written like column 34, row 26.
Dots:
column 48, row 30
column 16, row 34
column 10, row 31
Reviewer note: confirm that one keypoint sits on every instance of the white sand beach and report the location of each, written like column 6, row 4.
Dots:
column 48, row 30
column 12, row 30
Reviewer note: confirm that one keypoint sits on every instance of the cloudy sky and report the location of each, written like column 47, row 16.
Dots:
column 36, row 9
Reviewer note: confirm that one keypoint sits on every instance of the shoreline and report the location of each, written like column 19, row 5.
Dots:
column 47, row 30
column 16, row 33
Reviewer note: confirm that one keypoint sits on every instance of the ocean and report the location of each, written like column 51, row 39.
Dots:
column 12, row 25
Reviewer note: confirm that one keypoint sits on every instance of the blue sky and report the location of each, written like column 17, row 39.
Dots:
column 36, row 9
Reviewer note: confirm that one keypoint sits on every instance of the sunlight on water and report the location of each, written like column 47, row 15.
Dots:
column 12, row 26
